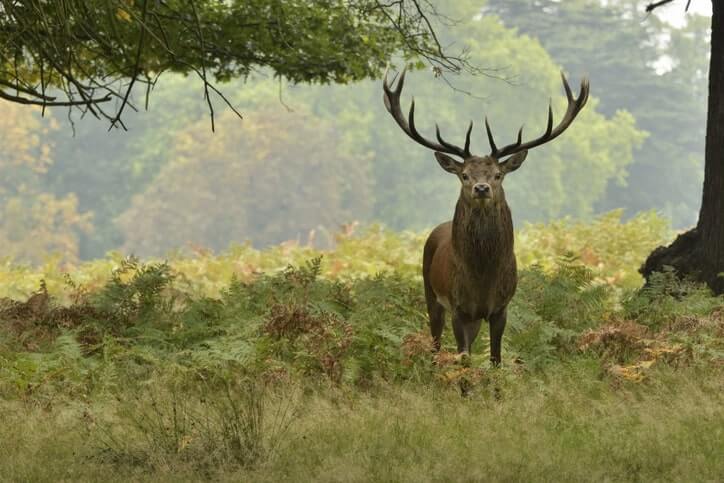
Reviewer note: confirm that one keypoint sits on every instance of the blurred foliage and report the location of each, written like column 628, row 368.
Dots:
column 610, row 158
column 282, row 179
column 406, row 188
column 611, row 249
column 32, row 227
column 107, row 168
column 33, row 223
column 639, row 63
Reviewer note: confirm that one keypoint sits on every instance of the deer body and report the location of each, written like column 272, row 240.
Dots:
column 468, row 265
column 469, row 270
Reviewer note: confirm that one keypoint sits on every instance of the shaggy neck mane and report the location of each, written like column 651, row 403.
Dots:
column 482, row 235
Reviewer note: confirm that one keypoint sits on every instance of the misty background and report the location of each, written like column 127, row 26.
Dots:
column 305, row 160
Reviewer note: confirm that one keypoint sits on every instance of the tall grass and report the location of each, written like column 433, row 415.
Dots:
column 560, row 428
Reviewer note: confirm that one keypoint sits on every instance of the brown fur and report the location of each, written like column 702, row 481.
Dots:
column 468, row 263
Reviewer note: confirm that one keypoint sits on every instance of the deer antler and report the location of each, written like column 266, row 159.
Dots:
column 392, row 103
column 574, row 107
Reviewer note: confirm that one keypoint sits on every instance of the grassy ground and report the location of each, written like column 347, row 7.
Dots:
column 205, row 368
column 553, row 429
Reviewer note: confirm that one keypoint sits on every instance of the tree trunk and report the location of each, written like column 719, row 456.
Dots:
column 699, row 253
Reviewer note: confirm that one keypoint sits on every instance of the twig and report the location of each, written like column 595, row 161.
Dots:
column 136, row 67
column 654, row 5
column 71, row 103
column 26, row 90
column 203, row 65
column 281, row 98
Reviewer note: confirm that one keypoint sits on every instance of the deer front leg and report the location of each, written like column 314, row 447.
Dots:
column 471, row 330
column 458, row 325
column 466, row 330
column 497, row 327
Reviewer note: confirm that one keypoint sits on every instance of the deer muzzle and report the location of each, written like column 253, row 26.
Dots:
column 482, row 191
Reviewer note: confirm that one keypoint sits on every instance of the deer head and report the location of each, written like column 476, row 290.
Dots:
column 481, row 176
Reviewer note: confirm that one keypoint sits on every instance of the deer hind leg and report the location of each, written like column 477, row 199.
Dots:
column 497, row 327
column 436, row 313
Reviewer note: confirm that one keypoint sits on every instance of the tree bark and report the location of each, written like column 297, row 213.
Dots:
column 699, row 253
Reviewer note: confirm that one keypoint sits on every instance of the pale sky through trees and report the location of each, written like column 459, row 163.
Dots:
column 674, row 12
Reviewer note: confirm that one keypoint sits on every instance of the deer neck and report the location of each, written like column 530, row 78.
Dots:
column 482, row 236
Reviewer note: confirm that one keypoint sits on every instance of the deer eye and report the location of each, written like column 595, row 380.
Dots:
column 465, row 176
column 498, row 175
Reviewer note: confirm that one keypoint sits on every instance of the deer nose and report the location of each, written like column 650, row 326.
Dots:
column 481, row 189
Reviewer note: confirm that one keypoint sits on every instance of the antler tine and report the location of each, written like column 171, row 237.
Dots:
column 466, row 150
column 549, row 125
column 392, row 104
column 401, row 82
column 567, row 88
column 491, row 141
column 575, row 105
column 411, row 120
column 467, row 139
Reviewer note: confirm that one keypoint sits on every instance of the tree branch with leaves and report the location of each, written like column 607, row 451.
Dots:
column 89, row 55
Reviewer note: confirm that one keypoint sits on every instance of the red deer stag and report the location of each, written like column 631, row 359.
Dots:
column 468, row 264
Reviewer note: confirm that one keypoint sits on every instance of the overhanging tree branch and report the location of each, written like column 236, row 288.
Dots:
column 83, row 49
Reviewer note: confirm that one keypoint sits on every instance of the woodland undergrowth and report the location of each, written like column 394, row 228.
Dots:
column 230, row 365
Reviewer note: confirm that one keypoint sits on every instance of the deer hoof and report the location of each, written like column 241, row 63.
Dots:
column 463, row 359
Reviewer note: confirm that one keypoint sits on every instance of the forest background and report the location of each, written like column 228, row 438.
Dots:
column 306, row 159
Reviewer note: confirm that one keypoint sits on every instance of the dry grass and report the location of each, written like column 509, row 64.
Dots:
column 572, row 425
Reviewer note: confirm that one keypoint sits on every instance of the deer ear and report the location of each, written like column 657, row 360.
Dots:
column 513, row 162
column 448, row 164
